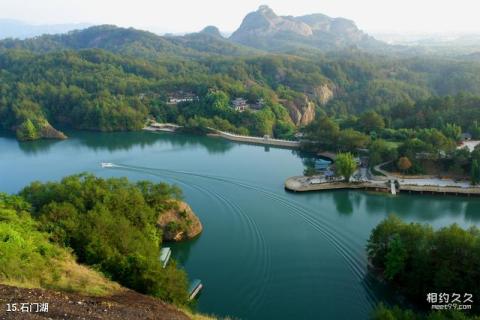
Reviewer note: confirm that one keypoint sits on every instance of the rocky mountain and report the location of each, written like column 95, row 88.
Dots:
column 266, row 30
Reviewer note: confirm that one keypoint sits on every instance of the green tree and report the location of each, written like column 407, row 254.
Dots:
column 112, row 224
column 371, row 121
column 453, row 131
column 345, row 165
column 350, row 140
column 379, row 151
column 323, row 132
column 408, row 255
column 475, row 174
column 395, row 258
column 27, row 131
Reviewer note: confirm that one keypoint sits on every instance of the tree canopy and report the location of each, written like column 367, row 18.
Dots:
column 111, row 224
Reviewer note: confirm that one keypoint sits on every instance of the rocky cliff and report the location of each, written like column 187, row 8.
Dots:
column 265, row 30
column 49, row 132
column 302, row 110
column 323, row 93
column 179, row 223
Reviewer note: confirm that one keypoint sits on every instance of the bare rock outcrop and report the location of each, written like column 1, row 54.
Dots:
column 49, row 132
column 324, row 93
column 179, row 223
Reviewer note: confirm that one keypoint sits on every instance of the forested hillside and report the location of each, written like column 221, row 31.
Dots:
column 108, row 78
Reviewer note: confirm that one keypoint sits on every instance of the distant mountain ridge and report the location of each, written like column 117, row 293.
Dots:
column 132, row 42
column 263, row 29
column 20, row 30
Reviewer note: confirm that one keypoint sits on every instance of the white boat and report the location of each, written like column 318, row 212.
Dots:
column 107, row 165
column 165, row 254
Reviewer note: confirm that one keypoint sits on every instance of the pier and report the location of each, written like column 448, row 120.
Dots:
column 307, row 184
column 265, row 141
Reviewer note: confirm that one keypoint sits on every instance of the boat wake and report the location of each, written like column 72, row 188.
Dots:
column 344, row 245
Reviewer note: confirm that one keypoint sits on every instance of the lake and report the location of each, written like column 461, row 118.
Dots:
column 264, row 253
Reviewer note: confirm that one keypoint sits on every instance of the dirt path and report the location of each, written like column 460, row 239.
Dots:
column 125, row 305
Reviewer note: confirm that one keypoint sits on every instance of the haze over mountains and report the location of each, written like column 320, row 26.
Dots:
column 21, row 30
column 262, row 30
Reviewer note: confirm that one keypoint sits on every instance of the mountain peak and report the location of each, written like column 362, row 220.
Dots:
column 265, row 23
column 263, row 29
column 266, row 10
column 212, row 30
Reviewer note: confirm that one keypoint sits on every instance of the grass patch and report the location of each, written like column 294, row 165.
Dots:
column 393, row 144
column 29, row 260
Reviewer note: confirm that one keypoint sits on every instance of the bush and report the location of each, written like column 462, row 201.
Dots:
column 111, row 224
column 419, row 260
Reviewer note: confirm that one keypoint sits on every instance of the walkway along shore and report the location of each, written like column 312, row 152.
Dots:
column 304, row 184
column 266, row 141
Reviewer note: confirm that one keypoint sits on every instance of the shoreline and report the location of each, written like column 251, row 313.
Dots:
column 263, row 141
column 304, row 184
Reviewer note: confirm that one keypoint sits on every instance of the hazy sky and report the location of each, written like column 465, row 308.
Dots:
column 192, row 15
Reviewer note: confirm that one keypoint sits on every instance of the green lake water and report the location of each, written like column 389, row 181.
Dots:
column 264, row 253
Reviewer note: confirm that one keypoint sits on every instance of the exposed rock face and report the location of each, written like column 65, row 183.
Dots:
column 323, row 93
column 265, row 22
column 179, row 223
column 308, row 114
column 301, row 112
column 49, row 132
column 265, row 30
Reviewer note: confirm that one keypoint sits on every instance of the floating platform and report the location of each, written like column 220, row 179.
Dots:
column 165, row 254
column 194, row 289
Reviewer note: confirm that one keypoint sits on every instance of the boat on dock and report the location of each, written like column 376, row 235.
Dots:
column 107, row 165
column 195, row 287
column 165, row 254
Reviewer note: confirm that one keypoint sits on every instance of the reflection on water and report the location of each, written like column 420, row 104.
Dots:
column 36, row 147
column 343, row 203
column 472, row 212
column 127, row 140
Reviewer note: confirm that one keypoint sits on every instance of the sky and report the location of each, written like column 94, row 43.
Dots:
column 179, row 16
